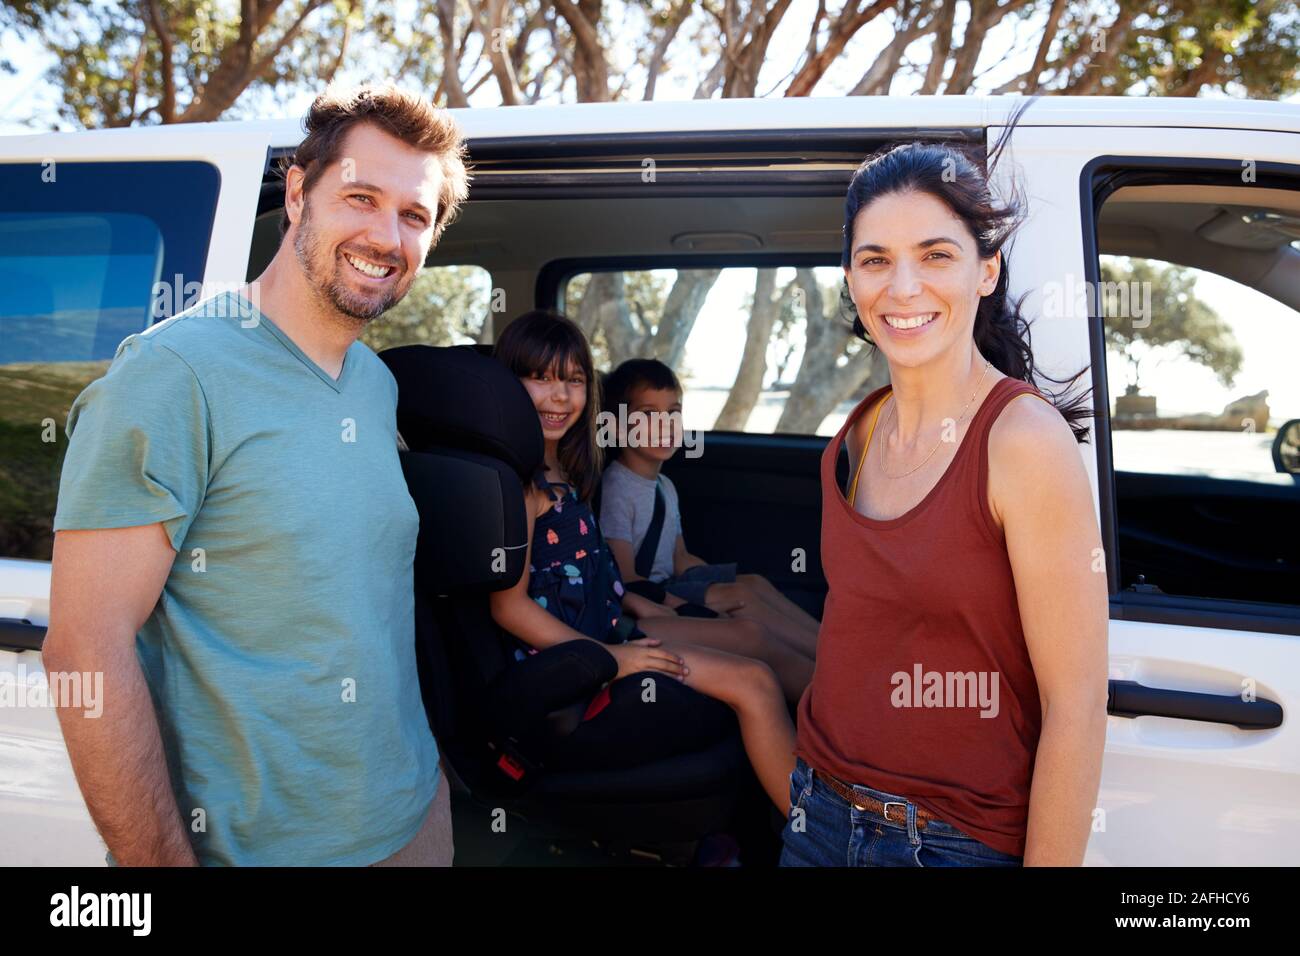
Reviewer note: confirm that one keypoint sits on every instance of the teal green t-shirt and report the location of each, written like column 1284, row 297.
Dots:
column 281, row 653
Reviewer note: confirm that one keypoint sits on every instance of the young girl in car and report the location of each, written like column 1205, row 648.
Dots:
column 571, row 589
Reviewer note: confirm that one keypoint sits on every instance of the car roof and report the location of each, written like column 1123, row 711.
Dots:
column 907, row 114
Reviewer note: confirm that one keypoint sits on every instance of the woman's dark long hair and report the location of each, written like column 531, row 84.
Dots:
column 541, row 341
column 959, row 177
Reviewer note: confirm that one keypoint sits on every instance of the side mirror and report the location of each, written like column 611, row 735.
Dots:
column 1286, row 447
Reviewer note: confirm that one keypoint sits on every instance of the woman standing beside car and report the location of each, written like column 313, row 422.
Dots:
column 957, row 713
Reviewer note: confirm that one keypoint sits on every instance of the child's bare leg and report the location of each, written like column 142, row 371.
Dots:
column 770, row 593
column 750, row 688
column 758, row 606
column 744, row 638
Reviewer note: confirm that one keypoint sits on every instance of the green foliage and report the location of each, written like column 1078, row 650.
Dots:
column 1248, row 48
column 447, row 305
column 110, row 57
column 31, row 393
column 1179, row 324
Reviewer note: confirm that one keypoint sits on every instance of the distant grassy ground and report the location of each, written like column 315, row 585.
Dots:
column 31, row 393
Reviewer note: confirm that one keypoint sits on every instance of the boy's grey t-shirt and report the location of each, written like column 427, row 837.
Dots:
column 281, row 653
column 627, row 503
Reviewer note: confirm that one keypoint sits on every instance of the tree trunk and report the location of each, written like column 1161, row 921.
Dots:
column 942, row 47
column 821, row 382
column 1031, row 78
column 846, row 25
column 450, row 66
column 972, row 41
column 590, row 68
column 878, row 78
column 681, row 309
column 753, row 362
column 494, row 40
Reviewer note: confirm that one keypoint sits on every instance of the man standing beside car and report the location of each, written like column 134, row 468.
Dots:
column 234, row 538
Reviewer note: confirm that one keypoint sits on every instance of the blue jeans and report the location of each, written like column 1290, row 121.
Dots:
column 824, row 829
column 693, row 584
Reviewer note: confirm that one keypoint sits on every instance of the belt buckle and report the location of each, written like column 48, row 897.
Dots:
column 884, row 811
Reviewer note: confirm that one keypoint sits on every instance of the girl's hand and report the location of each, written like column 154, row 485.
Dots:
column 644, row 654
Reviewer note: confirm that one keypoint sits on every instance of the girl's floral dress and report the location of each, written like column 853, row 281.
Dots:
column 574, row 576
column 570, row 561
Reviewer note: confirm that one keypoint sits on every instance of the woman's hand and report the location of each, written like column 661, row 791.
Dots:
column 645, row 654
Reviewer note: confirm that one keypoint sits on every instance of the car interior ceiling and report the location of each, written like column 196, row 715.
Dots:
column 1199, row 227
column 1206, row 228
column 514, row 235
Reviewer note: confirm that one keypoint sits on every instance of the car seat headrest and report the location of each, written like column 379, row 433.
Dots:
column 457, row 397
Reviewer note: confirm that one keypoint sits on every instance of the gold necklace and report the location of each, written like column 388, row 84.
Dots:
column 884, row 438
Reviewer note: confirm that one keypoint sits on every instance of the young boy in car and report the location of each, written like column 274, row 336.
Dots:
column 647, row 538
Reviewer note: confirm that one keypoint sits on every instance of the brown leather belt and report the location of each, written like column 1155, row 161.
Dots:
column 863, row 802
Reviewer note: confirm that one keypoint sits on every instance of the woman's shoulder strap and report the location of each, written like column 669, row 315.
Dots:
column 1004, row 391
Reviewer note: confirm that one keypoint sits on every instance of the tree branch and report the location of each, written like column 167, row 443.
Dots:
column 680, row 12
column 848, row 23
column 167, row 105
column 449, row 80
column 502, row 66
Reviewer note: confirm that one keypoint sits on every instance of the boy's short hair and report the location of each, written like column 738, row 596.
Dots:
column 637, row 373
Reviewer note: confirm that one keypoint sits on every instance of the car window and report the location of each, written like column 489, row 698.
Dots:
column 446, row 305
column 759, row 350
column 89, row 254
column 1202, row 385
column 1200, row 303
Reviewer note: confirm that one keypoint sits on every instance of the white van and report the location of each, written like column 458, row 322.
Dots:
column 1195, row 479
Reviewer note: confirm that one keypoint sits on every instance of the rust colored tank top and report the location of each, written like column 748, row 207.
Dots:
column 923, row 685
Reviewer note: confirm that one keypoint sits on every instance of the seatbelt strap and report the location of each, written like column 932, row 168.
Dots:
column 645, row 555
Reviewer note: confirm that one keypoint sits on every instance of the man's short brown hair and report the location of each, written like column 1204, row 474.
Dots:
column 401, row 113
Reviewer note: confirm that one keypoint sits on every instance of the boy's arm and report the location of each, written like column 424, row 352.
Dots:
column 617, row 518
column 639, row 606
column 683, row 559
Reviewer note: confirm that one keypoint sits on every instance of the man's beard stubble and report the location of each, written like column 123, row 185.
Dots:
column 330, row 287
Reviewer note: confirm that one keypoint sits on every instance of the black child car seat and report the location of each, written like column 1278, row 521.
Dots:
column 666, row 771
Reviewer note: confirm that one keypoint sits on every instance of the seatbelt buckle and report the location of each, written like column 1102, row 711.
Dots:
column 511, row 767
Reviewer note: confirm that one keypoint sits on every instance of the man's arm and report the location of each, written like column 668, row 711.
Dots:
column 104, row 584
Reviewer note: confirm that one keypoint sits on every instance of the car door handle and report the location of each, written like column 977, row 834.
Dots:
column 16, row 635
column 1126, row 698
